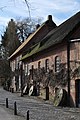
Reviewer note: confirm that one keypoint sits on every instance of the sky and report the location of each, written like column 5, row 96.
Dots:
column 60, row 10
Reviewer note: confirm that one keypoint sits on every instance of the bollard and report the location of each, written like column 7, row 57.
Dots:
column 15, row 108
column 6, row 102
column 27, row 115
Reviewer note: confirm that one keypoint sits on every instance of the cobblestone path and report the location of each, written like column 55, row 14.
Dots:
column 38, row 109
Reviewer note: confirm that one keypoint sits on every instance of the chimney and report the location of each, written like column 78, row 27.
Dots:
column 50, row 22
column 50, row 17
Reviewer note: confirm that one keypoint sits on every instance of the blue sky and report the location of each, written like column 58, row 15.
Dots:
column 59, row 9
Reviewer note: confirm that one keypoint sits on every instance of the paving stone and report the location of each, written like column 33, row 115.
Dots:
column 38, row 109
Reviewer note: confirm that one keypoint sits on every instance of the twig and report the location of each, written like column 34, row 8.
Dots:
column 28, row 8
column 1, row 8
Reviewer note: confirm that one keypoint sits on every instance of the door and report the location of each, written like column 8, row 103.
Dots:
column 77, row 85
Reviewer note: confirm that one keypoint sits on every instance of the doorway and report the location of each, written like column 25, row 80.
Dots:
column 77, row 88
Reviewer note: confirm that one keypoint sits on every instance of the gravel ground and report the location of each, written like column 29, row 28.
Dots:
column 38, row 109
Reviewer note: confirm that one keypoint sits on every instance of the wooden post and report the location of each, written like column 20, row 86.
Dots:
column 6, row 102
column 12, row 90
column 15, row 108
column 47, row 93
column 21, row 80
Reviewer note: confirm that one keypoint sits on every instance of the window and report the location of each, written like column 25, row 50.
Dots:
column 57, row 63
column 32, row 71
column 39, row 64
column 14, row 65
column 47, row 65
column 17, row 62
column 26, row 69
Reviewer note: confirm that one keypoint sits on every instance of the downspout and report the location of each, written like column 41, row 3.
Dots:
column 68, row 70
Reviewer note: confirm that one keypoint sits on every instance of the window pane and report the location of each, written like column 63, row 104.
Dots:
column 57, row 63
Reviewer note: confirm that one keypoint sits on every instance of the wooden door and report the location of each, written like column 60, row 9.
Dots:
column 77, row 86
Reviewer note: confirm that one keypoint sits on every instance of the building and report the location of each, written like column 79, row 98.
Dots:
column 54, row 60
column 34, row 38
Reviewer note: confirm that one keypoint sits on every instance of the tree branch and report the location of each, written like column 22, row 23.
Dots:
column 1, row 8
column 28, row 8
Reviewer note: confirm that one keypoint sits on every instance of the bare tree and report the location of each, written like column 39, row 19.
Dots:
column 25, row 27
column 52, row 78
